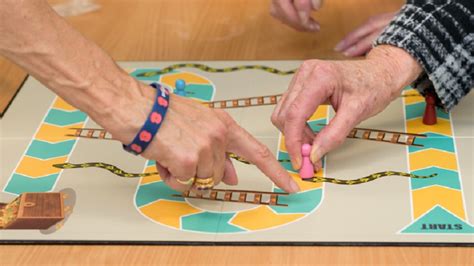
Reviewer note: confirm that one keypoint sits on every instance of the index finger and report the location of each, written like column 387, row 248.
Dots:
column 245, row 145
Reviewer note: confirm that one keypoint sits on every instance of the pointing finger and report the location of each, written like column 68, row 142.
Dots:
column 243, row 144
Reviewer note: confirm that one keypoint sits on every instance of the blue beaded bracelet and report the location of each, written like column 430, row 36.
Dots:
column 153, row 123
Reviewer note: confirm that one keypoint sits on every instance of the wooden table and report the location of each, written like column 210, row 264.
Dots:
column 206, row 30
column 215, row 30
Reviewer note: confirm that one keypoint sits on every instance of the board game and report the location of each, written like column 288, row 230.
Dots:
column 395, row 181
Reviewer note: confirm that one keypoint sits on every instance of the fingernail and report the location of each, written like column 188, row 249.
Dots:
column 315, row 154
column 314, row 26
column 316, row 4
column 296, row 164
column 303, row 17
column 293, row 186
column 316, row 169
column 339, row 46
column 317, row 166
column 350, row 51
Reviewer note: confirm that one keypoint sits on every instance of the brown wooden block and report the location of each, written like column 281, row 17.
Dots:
column 227, row 196
column 410, row 140
column 380, row 136
column 273, row 100
column 395, row 138
column 273, row 199
column 257, row 198
column 102, row 134
column 353, row 133
column 366, row 135
column 37, row 211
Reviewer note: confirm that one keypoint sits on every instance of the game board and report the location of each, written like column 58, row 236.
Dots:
column 49, row 146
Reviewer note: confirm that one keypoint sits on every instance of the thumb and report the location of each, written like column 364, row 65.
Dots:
column 332, row 135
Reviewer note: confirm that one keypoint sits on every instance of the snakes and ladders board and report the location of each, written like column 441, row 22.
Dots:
column 394, row 181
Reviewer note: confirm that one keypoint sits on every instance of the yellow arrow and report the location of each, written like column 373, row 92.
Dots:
column 427, row 198
column 34, row 167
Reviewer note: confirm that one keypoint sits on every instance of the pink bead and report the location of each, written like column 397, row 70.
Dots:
column 155, row 118
column 136, row 148
column 162, row 101
column 145, row 136
column 307, row 168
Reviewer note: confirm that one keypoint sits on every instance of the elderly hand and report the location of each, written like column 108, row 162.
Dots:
column 357, row 90
column 296, row 13
column 359, row 41
column 193, row 141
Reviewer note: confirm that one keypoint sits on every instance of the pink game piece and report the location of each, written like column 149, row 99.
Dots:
column 307, row 168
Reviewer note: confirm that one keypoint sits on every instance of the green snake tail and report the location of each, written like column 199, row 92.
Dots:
column 109, row 167
column 117, row 171
column 216, row 70
column 365, row 179
column 361, row 180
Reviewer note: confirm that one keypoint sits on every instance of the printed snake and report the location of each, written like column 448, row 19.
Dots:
column 316, row 179
column 207, row 68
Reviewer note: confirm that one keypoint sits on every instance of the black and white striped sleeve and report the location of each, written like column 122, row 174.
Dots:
column 439, row 34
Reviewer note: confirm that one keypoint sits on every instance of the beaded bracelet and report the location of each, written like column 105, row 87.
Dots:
column 153, row 123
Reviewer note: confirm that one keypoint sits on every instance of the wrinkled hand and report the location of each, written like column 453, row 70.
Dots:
column 193, row 139
column 296, row 13
column 357, row 90
column 359, row 41
column 193, row 142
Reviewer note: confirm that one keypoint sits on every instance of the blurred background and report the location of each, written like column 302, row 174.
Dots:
column 152, row 30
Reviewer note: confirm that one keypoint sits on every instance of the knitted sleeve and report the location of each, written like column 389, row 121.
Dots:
column 439, row 34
